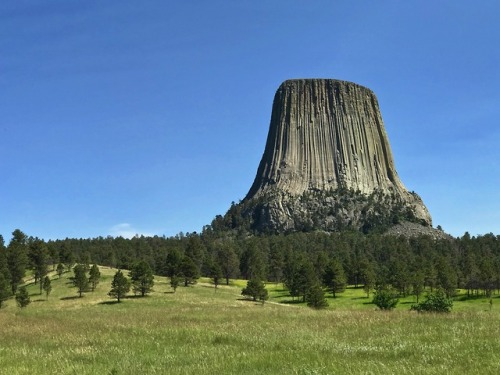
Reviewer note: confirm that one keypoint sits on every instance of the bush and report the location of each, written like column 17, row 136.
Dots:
column 385, row 299
column 22, row 297
column 434, row 302
column 315, row 297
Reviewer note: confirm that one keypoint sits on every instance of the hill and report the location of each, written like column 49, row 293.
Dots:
column 200, row 331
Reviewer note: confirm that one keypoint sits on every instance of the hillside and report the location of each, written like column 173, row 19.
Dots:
column 200, row 331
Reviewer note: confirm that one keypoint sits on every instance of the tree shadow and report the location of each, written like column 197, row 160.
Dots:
column 39, row 300
column 70, row 298
column 292, row 302
column 114, row 302
column 170, row 292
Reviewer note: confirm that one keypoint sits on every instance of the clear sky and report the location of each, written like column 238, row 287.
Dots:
column 150, row 117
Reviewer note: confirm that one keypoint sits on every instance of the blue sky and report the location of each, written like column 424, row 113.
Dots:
column 125, row 117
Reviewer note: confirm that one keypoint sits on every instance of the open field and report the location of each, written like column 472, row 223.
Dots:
column 200, row 331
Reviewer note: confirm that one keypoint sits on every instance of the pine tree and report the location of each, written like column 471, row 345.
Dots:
column 316, row 297
column 22, row 297
column 47, row 287
column 60, row 270
column 255, row 289
column 17, row 259
column 4, row 289
column 38, row 255
column 142, row 278
column 120, row 286
column 334, row 277
column 215, row 273
column 80, row 279
column 94, row 276
column 174, row 282
column 189, row 271
column 228, row 261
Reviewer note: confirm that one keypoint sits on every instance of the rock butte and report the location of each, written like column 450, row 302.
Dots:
column 325, row 135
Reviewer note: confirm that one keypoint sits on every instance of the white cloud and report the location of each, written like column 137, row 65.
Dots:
column 126, row 230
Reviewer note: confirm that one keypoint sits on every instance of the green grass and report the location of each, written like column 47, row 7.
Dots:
column 199, row 330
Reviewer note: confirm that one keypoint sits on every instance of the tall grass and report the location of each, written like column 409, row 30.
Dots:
column 199, row 330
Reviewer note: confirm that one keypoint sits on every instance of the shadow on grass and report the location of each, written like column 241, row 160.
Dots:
column 292, row 302
column 39, row 300
column 250, row 300
column 170, row 292
column 70, row 298
column 114, row 302
column 473, row 298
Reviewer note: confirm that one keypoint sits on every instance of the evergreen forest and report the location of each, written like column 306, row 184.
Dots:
column 303, row 262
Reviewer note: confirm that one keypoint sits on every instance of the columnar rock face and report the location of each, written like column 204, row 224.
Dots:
column 327, row 157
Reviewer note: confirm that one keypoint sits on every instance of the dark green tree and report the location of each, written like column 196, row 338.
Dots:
column 17, row 259
column 487, row 274
column 291, row 274
column 38, row 256
column 66, row 255
column 306, row 277
column 120, row 286
column 4, row 289
column 22, row 297
column 334, row 277
column 94, row 276
column 173, row 263
column 418, row 282
column 142, row 278
column 174, row 282
column 253, row 261
column 316, row 297
column 60, row 270
column 215, row 273
column 228, row 261
column 446, row 276
column 46, row 285
column 255, row 289
column 189, row 271
column 80, row 280
column 368, row 276
column 276, row 262
column 400, row 276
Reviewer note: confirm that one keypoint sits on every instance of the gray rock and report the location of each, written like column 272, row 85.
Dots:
column 327, row 163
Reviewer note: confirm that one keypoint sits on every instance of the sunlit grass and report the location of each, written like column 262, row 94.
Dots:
column 200, row 330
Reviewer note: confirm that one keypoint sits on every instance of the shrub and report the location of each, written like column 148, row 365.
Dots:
column 434, row 302
column 385, row 299
column 22, row 297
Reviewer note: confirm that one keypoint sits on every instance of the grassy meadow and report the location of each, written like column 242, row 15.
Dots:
column 199, row 330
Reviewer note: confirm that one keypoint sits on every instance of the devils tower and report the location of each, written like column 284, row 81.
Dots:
column 327, row 164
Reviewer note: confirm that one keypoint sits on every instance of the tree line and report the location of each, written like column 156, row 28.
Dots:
column 306, row 263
